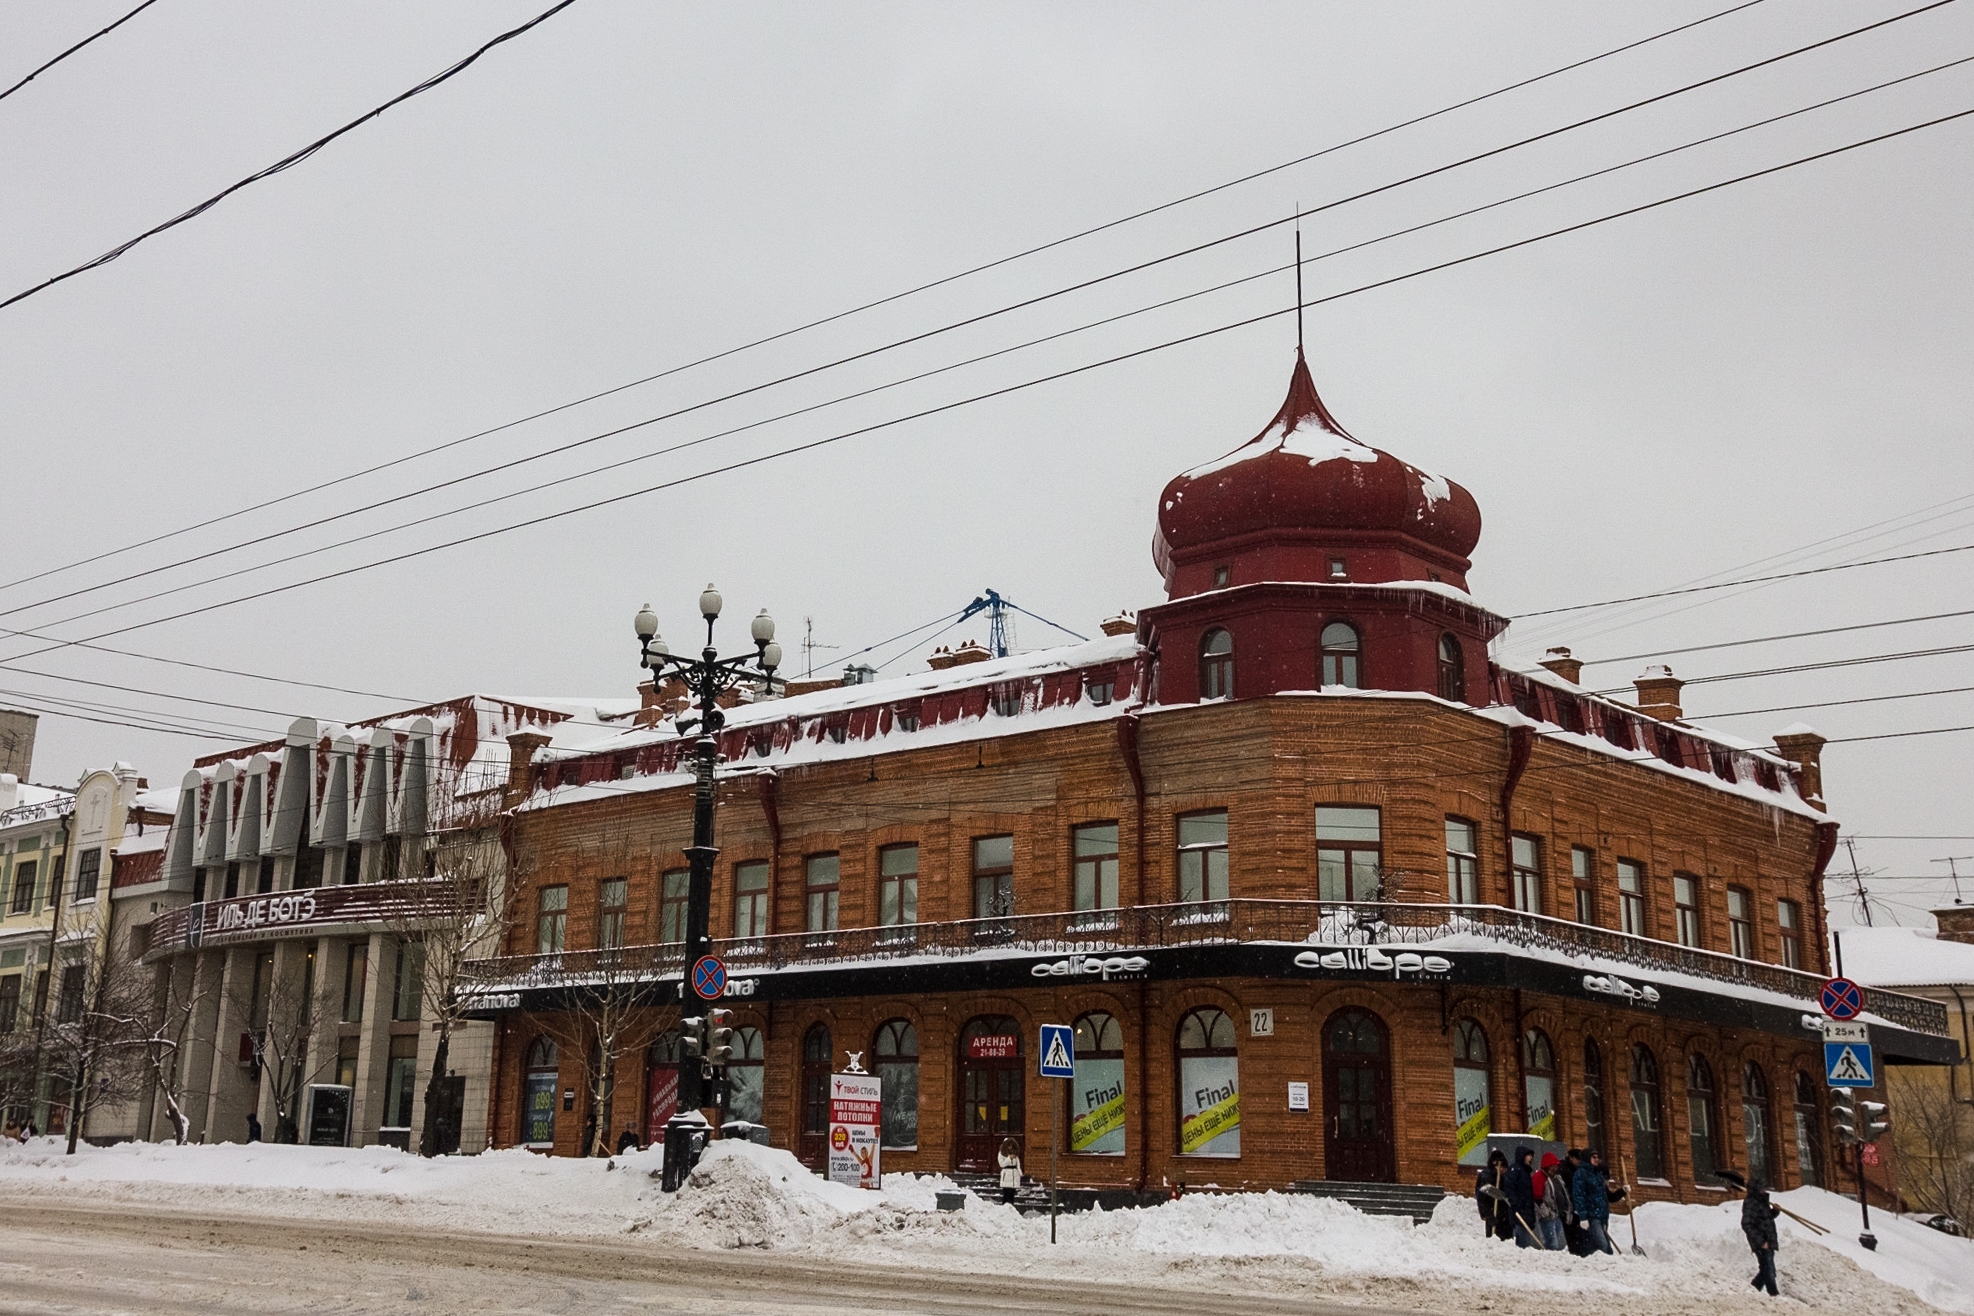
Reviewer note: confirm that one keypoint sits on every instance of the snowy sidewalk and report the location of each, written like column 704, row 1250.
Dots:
column 745, row 1196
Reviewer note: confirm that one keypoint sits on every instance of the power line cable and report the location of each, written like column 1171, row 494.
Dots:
column 1826, row 665
column 1752, row 580
column 1770, row 639
column 287, row 162
column 898, row 296
column 1055, row 377
column 1843, row 703
column 997, row 312
column 77, row 46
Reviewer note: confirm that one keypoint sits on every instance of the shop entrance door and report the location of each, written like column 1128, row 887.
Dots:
column 1359, row 1144
column 812, row 1148
column 991, row 1091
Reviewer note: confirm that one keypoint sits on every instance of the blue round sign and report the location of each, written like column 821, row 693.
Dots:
column 709, row 977
column 1842, row 999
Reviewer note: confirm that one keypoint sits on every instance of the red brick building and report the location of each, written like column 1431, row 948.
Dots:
column 1327, row 894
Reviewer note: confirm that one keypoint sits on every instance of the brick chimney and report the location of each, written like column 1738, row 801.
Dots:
column 1122, row 624
column 521, row 747
column 1658, row 694
column 1803, row 746
column 940, row 659
column 1559, row 661
column 971, row 652
column 1956, row 923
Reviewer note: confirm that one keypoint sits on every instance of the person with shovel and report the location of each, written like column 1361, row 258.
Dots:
column 1519, row 1185
column 1592, row 1194
column 1497, row 1217
column 1758, row 1224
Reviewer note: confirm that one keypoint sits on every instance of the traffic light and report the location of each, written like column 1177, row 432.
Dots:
column 1873, row 1120
column 692, row 1039
column 719, row 1038
column 1843, row 1115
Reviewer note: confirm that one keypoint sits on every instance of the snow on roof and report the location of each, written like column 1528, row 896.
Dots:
column 1905, row 957
column 36, row 803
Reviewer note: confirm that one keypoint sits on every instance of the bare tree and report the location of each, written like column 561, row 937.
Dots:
column 166, row 1031
column 282, row 1008
column 1935, row 1133
column 91, row 1044
column 614, row 1008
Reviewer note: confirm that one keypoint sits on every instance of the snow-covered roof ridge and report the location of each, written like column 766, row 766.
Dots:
column 1906, row 957
column 1726, row 739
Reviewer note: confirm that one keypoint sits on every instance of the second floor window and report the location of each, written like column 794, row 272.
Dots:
column 1095, row 865
column 1452, row 671
column 24, row 887
column 1740, row 923
column 1203, row 856
column 750, row 899
column 1686, row 906
column 1631, row 897
column 674, row 892
column 993, row 876
column 1216, row 665
column 1349, row 853
column 1526, row 851
column 1788, row 922
column 1583, row 874
column 610, row 913
column 1340, row 654
column 88, row 871
column 1462, row 862
column 897, row 885
column 822, row 892
column 553, row 927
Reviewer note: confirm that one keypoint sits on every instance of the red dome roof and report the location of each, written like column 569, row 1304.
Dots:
column 1305, row 474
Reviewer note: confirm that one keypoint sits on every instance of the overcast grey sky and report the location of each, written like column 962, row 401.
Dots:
column 632, row 186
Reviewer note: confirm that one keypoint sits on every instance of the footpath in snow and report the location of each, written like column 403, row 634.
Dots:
column 746, row 1196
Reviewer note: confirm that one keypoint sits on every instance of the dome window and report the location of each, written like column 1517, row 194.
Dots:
column 1222, row 576
column 1339, row 569
column 1452, row 671
column 1216, row 665
column 1340, row 654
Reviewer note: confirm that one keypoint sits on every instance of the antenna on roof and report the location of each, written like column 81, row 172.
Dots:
column 1298, row 278
column 1953, row 866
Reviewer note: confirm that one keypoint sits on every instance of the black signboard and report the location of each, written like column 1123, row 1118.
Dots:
column 328, row 1115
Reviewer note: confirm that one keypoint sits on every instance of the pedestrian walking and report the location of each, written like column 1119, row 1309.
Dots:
column 1552, row 1202
column 1497, row 1221
column 1592, row 1203
column 1758, row 1224
column 1573, row 1238
column 253, row 1127
column 1519, row 1185
column 1010, row 1160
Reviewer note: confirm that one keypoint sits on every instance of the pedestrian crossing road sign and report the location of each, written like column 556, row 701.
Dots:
column 1058, row 1051
column 1848, row 1064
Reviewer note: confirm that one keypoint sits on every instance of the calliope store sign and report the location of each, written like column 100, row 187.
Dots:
column 856, row 1103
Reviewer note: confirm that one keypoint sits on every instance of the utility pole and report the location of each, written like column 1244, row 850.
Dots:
column 1863, row 900
column 1953, row 863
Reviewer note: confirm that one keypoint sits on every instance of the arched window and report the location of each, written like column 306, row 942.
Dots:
column 745, row 1073
column 1755, row 1122
column 1702, row 1118
column 1096, row 1097
column 1645, row 1139
column 1809, row 1132
column 1209, row 1085
column 538, row 1104
column 1340, row 654
column 896, row 1049
column 1216, row 665
column 1473, row 1117
column 816, row 1051
column 1452, row 671
column 1593, row 1097
column 1539, row 1084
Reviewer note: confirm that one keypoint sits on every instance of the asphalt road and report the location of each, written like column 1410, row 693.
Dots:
column 77, row 1262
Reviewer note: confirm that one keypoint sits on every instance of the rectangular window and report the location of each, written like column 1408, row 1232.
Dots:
column 1740, row 924
column 993, row 876
column 410, row 983
column 611, row 895
column 1583, row 873
column 355, row 970
column 1788, row 920
column 823, row 883
column 1095, row 865
column 897, row 885
column 1203, row 856
column 1631, row 897
column 1686, row 907
column 24, row 887
column 401, row 1083
column 1349, row 853
column 353, row 867
column 1462, row 862
column 10, row 1002
column 750, row 899
column 674, row 891
column 308, row 869
column 88, row 873
column 1526, row 854
column 553, row 929
column 68, row 1008
column 1100, row 692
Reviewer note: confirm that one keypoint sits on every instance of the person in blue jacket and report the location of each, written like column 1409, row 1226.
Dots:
column 1591, row 1196
column 1520, row 1187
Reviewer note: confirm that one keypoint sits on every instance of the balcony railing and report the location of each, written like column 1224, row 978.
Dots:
column 1219, row 922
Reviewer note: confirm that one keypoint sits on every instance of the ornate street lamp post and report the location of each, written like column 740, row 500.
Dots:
column 705, row 678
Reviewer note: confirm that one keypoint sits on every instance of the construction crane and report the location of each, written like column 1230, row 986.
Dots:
column 1000, row 627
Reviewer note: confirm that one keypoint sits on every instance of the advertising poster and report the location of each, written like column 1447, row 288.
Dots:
column 664, row 1089
column 1209, row 1106
column 1470, row 1114
column 539, row 1113
column 1096, row 1107
column 1542, row 1106
column 856, row 1105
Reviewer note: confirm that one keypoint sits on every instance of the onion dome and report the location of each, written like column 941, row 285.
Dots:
column 1306, row 487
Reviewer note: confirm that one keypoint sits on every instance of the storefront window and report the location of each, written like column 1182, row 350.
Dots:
column 401, row 1083
column 1809, row 1140
column 1645, row 1136
column 1593, row 1097
column 1209, row 1086
column 1701, row 1120
column 744, row 1076
column 1472, row 1114
column 1096, row 1094
column 538, row 1099
column 1539, row 1064
column 1754, row 1122
column 896, row 1049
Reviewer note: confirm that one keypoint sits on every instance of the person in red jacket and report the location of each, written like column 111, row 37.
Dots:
column 1552, row 1202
